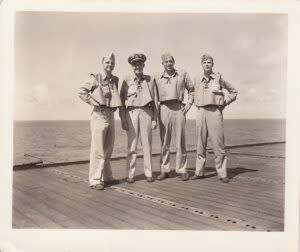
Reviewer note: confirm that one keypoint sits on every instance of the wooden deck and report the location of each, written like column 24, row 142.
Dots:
column 59, row 197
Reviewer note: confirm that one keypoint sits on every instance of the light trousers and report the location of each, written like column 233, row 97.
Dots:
column 139, row 126
column 209, row 123
column 172, row 121
column 102, row 143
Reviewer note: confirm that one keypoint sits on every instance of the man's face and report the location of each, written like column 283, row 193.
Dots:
column 168, row 63
column 207, row 65
column 138, row 67
column 108, row 64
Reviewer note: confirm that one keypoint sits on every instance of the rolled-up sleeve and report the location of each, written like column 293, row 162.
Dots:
column 190, row 88
column 232, row 92
column 86, row 90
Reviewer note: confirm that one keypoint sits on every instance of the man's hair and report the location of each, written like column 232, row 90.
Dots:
column 166, row 55
column 206, row 57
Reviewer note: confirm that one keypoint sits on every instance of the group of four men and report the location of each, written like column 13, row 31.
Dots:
column 145, row 101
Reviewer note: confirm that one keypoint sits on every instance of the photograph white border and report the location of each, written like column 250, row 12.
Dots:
column 137, row 240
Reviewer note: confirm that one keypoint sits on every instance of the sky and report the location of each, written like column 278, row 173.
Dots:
column 56, row 51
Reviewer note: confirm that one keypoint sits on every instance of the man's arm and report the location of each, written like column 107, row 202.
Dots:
column 191, row 92
column 86, row 90
column 156, row 106
column 232, row 92
column 122, row 110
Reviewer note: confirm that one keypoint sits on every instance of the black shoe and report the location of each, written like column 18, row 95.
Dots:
column 130, row 180
column 150, row 179
column 98, row 187
column 185, row 176
column 163, row 176
column 225, row 180
column 197, row 177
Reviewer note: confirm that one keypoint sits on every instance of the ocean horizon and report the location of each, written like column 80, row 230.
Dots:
column 69, row 140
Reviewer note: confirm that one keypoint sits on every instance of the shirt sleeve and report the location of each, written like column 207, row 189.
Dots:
column 123, row 95
column 86, row 90
column 116, row 82
column 155, row 100
column 232, row 92
column 190, row 88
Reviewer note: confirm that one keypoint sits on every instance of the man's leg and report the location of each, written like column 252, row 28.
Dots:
column 181, row 155
column 216, row 134
column 109, row 146
column 145, row 121
column 133, row 135
column 201, row 136
column 165, row 136
column 99, row 125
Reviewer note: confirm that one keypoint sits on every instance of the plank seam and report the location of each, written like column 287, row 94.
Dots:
column 173, row 204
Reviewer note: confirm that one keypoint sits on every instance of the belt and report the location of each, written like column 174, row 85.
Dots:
column 210, row 106
column 148, row 105
column 169, row 102
column 102, row 107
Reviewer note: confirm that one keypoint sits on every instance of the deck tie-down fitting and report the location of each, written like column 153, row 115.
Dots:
column 173, row 204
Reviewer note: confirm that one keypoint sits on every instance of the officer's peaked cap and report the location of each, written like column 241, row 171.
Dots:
column 136, row 57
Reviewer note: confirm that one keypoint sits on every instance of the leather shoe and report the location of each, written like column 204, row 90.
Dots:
column 150, row 179
column 224, row 180
column 130, row 180
column 97, row 187
column 197, row 177
column 185, row 176
column 163, row 176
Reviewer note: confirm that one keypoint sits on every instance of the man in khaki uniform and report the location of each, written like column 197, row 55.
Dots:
column 171, row 85
column 139, row 114
column 210, row 100
column 101, row 92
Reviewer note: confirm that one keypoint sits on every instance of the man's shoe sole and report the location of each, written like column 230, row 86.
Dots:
column 97, row 187
column 225, row 180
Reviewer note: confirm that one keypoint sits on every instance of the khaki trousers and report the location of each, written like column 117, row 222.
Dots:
column 209, row 123
column 139, row 126
column 172, row 120
column 103, row 135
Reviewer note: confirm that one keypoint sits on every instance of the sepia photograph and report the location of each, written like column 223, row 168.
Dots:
column 140, row 121
column 172, row 123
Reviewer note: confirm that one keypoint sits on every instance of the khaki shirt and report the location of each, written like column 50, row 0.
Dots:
column 136, row 92
column 100, row 89
column 173, row 87
column 211, row 91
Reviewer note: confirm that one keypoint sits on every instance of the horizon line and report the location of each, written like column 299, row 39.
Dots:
column 117, row 119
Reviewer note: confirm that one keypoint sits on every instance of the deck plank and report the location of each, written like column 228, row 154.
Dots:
column 82, row 205
column 255, row 194
column 20, row 220
column 209, row 204
column 153, row 209
column 33, row 211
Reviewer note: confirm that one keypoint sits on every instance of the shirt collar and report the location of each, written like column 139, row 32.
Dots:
column 104, row 76
column 165, row 75
column 136, row 78
column 211, row 76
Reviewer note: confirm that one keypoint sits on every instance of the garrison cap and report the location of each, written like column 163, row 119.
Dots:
column 206, row 56
column 167, row 55
column 110, row 56
column 136, row 57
